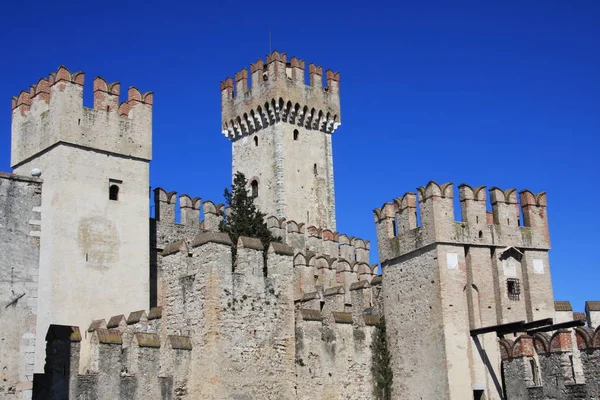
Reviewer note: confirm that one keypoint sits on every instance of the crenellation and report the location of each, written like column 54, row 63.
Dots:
column 282, row 83
column 334, row 298
column 277, row 226
column 106, row 95
column 117, row 322
column 52, row 112
column 296, row 68
column 592, row 311
column 190, row 210
column 213, row 215
column 393, row 220
column 505, row 207
column 315, row 74
column 241, row 82
column 406, row 212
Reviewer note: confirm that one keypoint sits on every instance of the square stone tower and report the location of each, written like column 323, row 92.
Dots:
column 94, row 163
column 443, row 278
column 280, row 129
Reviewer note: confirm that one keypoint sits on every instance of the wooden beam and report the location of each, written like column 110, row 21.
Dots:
column 555, row 327
column 496, row 328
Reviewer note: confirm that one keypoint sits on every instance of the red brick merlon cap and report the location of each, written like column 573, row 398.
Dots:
column 562, row 306
column 592, row 305
column 63, row 332
column 211, row 237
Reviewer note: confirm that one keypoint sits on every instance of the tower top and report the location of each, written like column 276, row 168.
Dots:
column 279, row 93
column 52, row 112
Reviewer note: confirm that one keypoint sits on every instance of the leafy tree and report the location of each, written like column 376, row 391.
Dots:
column 244, row 218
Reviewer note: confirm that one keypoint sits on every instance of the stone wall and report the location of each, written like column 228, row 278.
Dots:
column 20, row 215
column 542, row 366
column 244, row 333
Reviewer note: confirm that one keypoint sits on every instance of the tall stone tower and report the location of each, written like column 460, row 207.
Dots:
column 444, row 278
column 280, row 129
column 94, row 252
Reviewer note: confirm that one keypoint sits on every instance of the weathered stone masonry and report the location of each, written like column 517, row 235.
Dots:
column 20, row 223
column 300, row 326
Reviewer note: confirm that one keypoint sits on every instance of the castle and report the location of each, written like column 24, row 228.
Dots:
column 101, row 302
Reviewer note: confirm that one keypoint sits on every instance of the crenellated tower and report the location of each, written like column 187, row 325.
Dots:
column 94, row 163
column 443, row 278
column 280, row 129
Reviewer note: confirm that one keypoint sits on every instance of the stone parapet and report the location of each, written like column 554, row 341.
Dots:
column 52, row 112
column 288, row 98
column 398, row 232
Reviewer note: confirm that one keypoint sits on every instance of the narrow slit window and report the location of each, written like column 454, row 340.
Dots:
column 315, row 169
column 254, row 186
column 296, row 134
column 256, row 141
column 113, row 192
column 114, row 186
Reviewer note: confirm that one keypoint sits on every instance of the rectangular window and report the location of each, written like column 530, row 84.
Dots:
column 513, row 288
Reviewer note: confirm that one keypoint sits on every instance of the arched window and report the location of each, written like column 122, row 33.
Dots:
column 296, row 133
column 113, row 192
column 256, row 141
column 254, row 186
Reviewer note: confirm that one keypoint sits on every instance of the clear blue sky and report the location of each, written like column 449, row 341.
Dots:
column 496, row 93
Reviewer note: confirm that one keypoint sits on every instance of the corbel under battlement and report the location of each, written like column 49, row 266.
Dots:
column 279, row 94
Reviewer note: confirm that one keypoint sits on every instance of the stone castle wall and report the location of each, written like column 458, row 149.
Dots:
column 541, row 366
column 20, row 215
column 243, row 331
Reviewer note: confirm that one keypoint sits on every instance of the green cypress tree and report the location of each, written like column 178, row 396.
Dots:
column 380, row 367
column 244, row 218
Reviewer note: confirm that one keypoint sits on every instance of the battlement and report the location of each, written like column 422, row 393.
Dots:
column 52, row 111
column 278, row 93
column 397, row 222
column 197, row 215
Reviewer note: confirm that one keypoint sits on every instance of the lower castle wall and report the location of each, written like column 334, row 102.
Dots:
column 20, row 199
column 333, row 361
